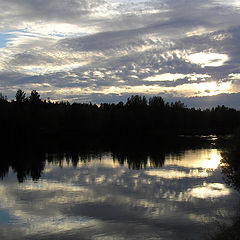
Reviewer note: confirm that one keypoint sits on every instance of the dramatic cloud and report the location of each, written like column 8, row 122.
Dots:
column 106, row 50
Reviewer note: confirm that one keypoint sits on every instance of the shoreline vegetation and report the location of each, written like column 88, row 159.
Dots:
column 30, row 119
column 230, row 167
column 225, row 232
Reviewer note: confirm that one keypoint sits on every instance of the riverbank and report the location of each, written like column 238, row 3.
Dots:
column 230, row 165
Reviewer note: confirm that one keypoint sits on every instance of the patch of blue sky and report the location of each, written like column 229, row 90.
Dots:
column 4, row 39
column 59, row 35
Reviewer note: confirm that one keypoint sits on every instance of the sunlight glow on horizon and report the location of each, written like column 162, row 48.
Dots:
column 187, row 90
column 213, row 88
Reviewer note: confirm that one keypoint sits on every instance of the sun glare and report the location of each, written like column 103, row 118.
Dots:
column 213, row 161
column 209, row 159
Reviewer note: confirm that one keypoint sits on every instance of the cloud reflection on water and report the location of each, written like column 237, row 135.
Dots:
column 103, row 198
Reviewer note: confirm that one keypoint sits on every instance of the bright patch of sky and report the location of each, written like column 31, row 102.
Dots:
column 235, row 76
column 208, row 59
column 57, row 30
column 231, row 3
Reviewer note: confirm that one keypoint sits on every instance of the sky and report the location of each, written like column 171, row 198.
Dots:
column 108, row 50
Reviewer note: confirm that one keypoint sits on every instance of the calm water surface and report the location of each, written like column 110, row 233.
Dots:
column 104, row 198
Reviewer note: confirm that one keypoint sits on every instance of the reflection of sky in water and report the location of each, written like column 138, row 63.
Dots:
column 104, row 200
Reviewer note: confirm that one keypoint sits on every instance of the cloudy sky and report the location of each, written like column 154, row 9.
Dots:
column 107, row 50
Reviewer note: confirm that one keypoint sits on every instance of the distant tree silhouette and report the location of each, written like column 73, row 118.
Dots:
column 3, row 98
column 34, row 97
column 136, row 100
column 20, row 96
column 156, row 102
column 178, row 105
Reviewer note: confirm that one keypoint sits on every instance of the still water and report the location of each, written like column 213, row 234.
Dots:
column 182, row 196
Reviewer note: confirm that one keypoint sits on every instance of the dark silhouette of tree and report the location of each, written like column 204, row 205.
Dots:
column 156, row 102
column 3, row 99
column 20, row 96
column 34, row 97
column 178, row 105
column 135, row 101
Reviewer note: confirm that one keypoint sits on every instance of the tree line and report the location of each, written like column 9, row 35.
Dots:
column 29, row 119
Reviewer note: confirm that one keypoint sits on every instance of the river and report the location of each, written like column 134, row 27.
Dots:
column 106, row 196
